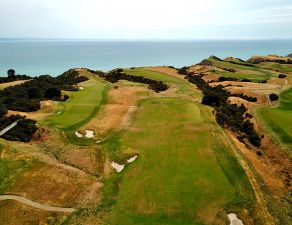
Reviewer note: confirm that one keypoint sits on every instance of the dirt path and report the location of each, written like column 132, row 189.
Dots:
column 36, row 205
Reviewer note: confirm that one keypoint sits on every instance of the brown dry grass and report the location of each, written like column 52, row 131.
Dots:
column 51, row 185
column 267, row 171
column 85, row 159
column 270, row 58
column 47, row 107
column 166, row 70
column 14, row 213
column 112, row 114
column 9, row 84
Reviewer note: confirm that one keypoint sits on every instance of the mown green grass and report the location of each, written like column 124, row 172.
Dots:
column 252, row 73
column 177, row 178
column 183, row 86
column 153, row 75
column 81, row 107
column 277, row 66
column 280, row 119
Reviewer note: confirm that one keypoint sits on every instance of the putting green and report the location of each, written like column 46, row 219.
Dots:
column 81, row 106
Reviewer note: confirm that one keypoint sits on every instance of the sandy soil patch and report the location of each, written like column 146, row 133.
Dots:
column 118, row 167
column 9, row 84
column 238, row 101
column 234, row 220
column 78, row 134
column 89, row 133
column 121, row 100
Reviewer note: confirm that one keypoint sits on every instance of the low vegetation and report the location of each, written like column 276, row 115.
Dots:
column 118, row 74
column 279, row 119
column 227, row 115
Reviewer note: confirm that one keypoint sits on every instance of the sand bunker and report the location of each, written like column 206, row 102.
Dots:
column 78, row 134
column 81, row 88
column 89, row 133
column 119, row 168
column 234, row 220
column 130, row 160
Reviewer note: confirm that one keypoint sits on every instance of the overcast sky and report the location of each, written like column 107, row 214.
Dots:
column 146, row 19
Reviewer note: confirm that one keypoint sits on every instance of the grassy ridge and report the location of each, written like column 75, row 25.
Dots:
column 177, row 178
column 242, row 71
column 280, row 118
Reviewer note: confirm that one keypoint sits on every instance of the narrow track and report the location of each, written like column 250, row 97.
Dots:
column 36, row 204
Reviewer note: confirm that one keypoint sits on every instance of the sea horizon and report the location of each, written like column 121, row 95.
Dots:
column 37, row 56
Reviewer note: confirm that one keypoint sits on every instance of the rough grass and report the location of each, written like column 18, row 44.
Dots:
column 242, row 71
column 9, row 172
column 177, row 177
column 277, row 66
column 280, row 119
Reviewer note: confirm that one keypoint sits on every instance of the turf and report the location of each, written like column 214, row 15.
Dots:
column 179, row 171
column 242, row 71
column 152, row 75
column 81, row 106
column 280, row 119
column 278, row 67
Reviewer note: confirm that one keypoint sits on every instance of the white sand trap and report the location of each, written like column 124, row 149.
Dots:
column 119, row 168
column 78, row 134
column 130, row 160
column 234, row 220
column 89, row 133
column 81, row 88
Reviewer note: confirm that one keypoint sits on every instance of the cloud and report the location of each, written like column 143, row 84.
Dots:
column 136, row 18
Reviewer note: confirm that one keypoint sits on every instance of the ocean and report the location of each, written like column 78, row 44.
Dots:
column 37, row 57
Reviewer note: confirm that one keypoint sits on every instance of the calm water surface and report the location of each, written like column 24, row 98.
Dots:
column 35, row 57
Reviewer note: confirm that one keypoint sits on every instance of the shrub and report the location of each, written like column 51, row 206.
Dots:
column 273, row 97
column 52, row 93
column 282, row 76
column 23, row 131
column 3, row 110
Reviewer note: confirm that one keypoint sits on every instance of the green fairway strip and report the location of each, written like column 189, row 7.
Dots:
column 177, row 178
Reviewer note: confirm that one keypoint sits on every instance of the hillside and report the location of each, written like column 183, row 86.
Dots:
column 195, row 145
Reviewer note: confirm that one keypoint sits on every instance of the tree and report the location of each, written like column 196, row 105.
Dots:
column 11, row 73
column 53, row 92
column 34, row 93
column 273, row 97
column 3, row 110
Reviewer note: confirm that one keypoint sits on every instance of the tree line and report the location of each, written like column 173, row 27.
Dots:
column 26, row 97
column 11, row 76
column 118, row 74
column 228, row 115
